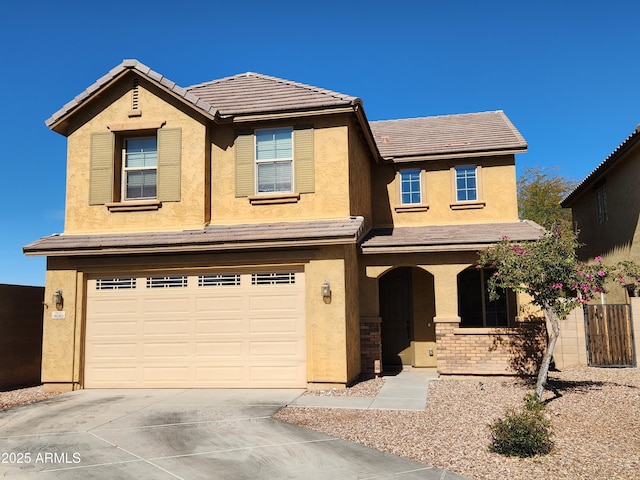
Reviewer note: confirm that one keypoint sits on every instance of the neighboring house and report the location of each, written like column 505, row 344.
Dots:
column 257, row 232
column 605, row 208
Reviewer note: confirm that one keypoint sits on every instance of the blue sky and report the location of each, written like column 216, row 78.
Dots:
column 565, row 72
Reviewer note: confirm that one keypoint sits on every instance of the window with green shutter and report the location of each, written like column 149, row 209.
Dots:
column 129, row 166
column 274, row 161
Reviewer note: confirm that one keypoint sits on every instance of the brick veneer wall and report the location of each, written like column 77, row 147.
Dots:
column 490, row 351
column 370, row 344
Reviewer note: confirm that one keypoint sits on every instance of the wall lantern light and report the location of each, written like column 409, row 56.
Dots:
column 58, row 299
column 326, row 289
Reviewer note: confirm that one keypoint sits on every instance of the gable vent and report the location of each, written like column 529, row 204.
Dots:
column 134, row 96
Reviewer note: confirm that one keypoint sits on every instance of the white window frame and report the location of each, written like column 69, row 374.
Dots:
column 126, row 170
column 258, row 162
column 457, row 204
column 420, row 190
column 466, row 178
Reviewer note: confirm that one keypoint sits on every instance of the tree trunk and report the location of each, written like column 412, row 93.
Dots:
column 552, row 337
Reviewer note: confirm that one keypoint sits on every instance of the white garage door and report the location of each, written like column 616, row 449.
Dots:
column 214, row 330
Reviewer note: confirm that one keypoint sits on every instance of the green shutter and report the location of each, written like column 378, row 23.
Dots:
column 169, row 157
column 303, row 162
column 101, row 169
column 244, row 149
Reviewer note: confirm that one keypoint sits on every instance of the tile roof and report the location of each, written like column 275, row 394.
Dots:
column 607, row 163
column 216, row 237
column 448, row 237
column 447, row 135
column 249, row 93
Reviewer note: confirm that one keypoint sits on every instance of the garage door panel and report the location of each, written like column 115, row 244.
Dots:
column 114, row 352
column 122, row 306
column 228, row 351
column 167, row 306
column 197, row 334
column 222, row 326
column 167, row 327
column 167, row 350
column 122, row 327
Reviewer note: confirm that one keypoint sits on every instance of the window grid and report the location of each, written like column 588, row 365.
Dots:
column 466, row 184
column 223, row 280
column 410, row 187
column 274, row 160
column 288, row 278
column 125, row 283
column 140, row 168
column 167, row 282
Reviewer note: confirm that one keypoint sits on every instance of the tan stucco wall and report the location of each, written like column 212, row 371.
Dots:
column 498, row 180
column 111, row 108
column 435, row 294
column 331, row 165
column 332, row 328
column 20, row 334
column 360, row 167
column 61, row 337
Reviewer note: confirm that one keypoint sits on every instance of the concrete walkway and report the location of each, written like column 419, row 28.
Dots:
column 406, row 390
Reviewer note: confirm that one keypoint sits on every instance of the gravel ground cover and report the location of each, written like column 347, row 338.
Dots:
column 595, row 414
column 366, row 388
column 22, row 396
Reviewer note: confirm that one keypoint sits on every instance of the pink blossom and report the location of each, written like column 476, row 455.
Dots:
column 602, row 273
column 597, row 259
column 517, row 249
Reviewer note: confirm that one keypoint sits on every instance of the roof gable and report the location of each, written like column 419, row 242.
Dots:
column 607, row 163
column 484, row 133
column 56, row 121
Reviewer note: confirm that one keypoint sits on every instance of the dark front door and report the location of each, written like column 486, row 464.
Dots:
column 397, row 314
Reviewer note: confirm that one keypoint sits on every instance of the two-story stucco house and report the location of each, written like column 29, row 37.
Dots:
column 256, row 232
column 605, row 207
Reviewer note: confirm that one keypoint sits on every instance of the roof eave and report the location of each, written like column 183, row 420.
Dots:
column 454, row 155
column 630, row 142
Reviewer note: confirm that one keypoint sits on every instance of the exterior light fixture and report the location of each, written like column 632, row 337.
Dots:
column 58, row 299
column 326, row 289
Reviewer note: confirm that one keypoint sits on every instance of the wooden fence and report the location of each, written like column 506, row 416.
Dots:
column 609, row 336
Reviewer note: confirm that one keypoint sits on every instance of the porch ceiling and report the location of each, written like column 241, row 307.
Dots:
column 439, row 238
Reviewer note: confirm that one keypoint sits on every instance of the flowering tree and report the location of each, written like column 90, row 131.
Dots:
column 550, row 273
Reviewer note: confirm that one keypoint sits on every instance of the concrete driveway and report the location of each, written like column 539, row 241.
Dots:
column 182, row 434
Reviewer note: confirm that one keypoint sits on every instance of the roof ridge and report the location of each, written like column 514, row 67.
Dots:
column 438, row 116
column 272, row 78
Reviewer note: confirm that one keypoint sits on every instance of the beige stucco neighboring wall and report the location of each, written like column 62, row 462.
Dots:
column 617, row 238
column 330, row 198
column 497, row 200
column 113, row 109
column 360, row 167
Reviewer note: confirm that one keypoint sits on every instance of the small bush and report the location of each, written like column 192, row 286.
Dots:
column 523, row 433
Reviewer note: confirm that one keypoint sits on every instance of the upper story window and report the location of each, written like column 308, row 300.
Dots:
column 274, row 160
column 601, row 202
column 274, row 165
column 135, row 166
column 466, row 184
column 140, row 168
column 410, row 187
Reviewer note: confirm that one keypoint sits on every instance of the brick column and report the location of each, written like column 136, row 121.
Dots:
column 370, row 345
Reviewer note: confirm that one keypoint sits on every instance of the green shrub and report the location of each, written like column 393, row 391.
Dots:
column 522, row 433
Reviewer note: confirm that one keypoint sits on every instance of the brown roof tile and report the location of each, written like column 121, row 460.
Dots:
column 251, row 93
column 448, row 135
column 218, row 237
column 448, row 237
